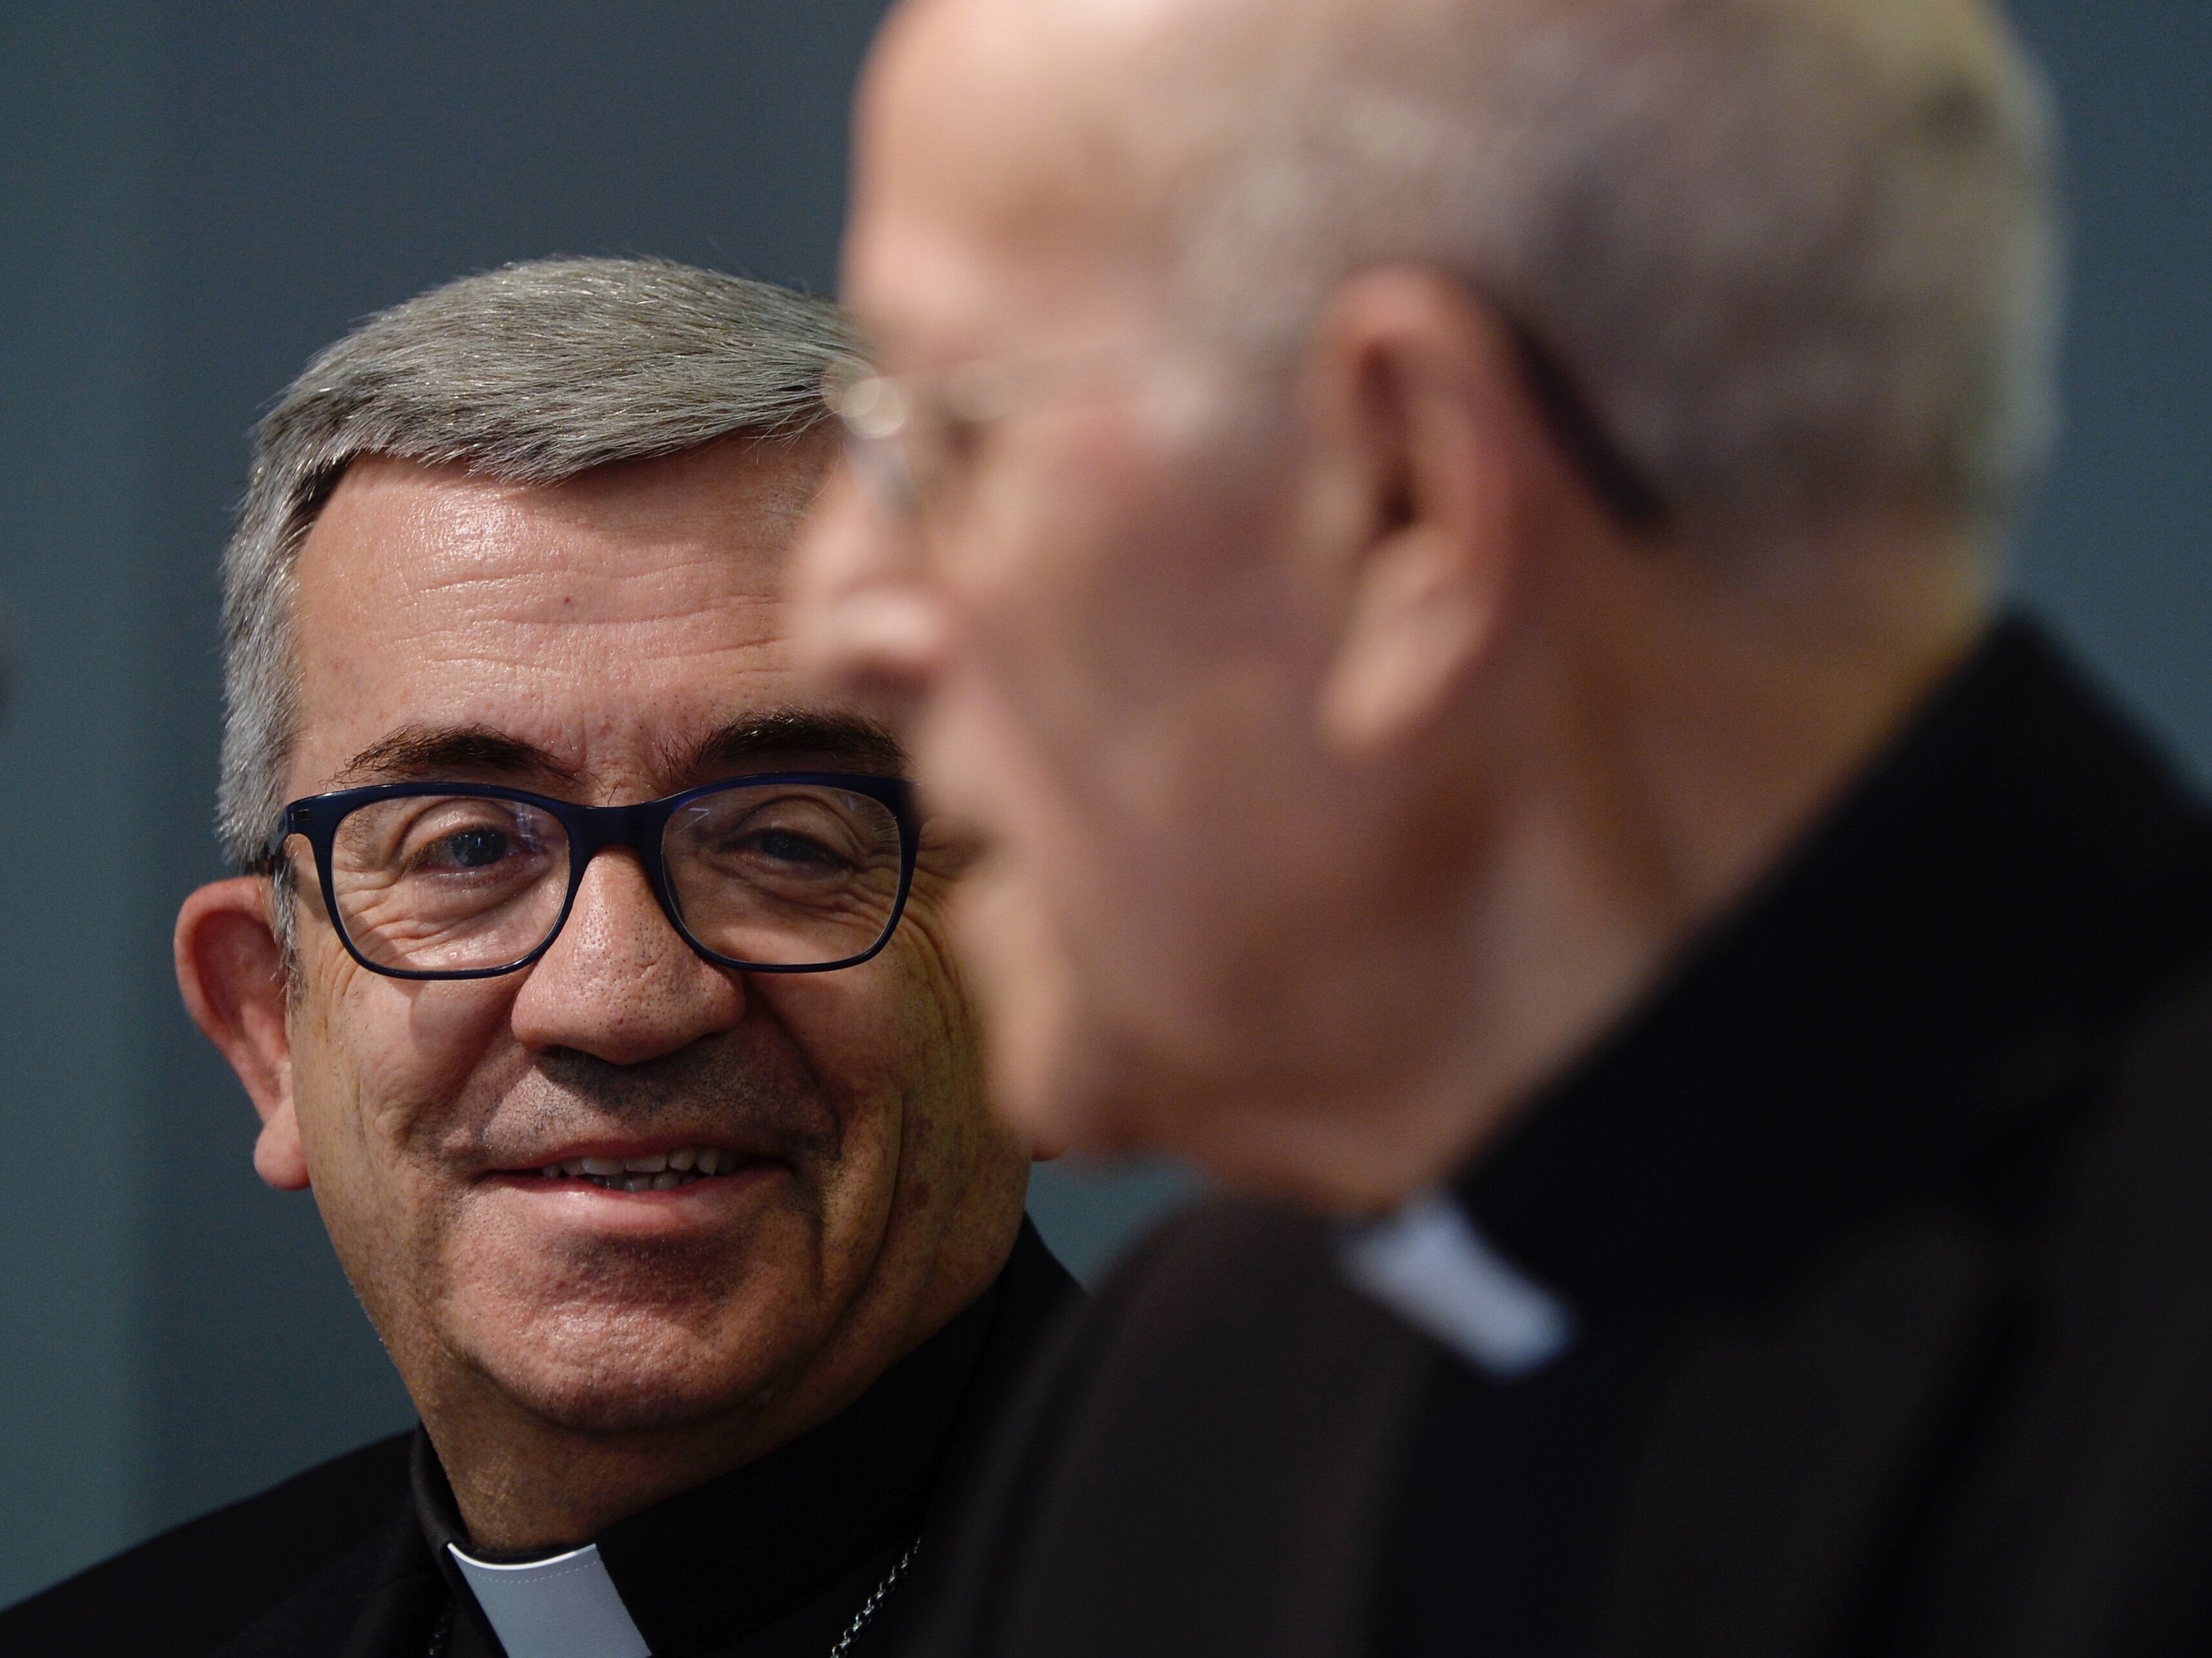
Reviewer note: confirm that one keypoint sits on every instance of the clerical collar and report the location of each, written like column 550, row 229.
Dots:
column 1429, row 1263
column 1910, row 996
column 565, row 1606
column 715, row 1564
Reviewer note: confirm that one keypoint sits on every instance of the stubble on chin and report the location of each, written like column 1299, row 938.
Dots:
column 602, row 1334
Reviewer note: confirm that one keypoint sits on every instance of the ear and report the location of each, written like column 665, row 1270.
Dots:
column 1416, row 383
column 232, row 974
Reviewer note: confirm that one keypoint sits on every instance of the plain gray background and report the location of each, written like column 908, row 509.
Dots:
column 192, row 201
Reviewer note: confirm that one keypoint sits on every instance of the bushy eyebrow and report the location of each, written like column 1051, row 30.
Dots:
column 419, row 751
column 844, row 742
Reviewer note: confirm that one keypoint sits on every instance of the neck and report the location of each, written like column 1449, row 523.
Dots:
column 1659, row 732
column 524, row 1484
column 527, row 1480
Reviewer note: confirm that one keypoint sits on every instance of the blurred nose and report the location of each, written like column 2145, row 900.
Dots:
column 619, row 983
column 868, row 620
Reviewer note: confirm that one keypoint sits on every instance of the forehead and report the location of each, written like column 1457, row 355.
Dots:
column 998, row 188
column 603, row 620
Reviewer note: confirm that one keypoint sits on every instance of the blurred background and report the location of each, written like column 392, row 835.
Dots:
column 193, row 199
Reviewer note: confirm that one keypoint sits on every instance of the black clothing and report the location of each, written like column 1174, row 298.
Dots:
column 1887, row 1224
column 770, row 1561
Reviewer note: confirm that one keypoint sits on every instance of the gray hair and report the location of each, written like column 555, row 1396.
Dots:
column 531, row 375
column 1798, row 256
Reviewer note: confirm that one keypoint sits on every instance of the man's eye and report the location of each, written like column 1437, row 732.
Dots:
column 468, row 848
column 786, row 847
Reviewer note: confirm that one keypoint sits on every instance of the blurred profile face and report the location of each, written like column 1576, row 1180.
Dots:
column 792, row 1179
column 1098, row 616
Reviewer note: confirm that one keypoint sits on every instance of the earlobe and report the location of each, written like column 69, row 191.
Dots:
column 278, row 1156
column 1416, row 626
column 232, row 974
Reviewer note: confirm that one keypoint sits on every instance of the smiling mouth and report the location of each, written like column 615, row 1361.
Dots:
column 663, row 1171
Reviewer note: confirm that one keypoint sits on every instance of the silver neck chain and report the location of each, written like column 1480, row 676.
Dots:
column 868, row 1606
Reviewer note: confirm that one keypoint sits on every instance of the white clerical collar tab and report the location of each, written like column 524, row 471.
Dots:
column 1428, row 1264
column 563, row 1608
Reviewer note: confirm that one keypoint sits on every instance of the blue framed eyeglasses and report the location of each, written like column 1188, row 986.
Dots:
column 784, row 872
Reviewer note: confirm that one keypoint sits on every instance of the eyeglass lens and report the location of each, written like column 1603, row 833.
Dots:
column 765, row 875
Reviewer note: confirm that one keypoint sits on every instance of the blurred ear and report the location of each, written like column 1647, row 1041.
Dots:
column 1416, row 385
column 232, row 974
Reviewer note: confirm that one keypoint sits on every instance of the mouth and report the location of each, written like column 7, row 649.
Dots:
column 657, row 1171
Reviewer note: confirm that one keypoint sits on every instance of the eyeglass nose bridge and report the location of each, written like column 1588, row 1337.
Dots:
column 638, row 828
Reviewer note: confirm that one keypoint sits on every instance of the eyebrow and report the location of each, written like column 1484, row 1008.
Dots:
column 420, row 751
column 844, row 742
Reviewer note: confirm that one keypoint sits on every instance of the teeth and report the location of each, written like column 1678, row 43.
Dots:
column 663, row 1171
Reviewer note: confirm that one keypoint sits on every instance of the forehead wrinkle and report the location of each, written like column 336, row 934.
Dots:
column 551, row 624
column 512, row 598
column 735, row 499
column 492, row 565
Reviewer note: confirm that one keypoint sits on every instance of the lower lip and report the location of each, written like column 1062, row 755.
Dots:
column 703, row 1203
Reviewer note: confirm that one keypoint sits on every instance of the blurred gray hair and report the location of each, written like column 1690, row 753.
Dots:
column 532, row 374
column 1800, row 258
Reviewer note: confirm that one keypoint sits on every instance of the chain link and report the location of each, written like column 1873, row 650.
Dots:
column 868, row 1606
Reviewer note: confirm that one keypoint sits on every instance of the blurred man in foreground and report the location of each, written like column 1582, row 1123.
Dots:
column 1450, row 548
column 590, row 970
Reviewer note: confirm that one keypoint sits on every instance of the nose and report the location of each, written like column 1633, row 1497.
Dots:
column 618, row 983
column 868, row 621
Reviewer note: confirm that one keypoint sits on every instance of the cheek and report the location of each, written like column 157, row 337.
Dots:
column 894, row 1042
column 1059, row 575
column 375, row 1061
column 893, row 1027
column 1129, row 715
column 1076, row 653
column 1131, row 622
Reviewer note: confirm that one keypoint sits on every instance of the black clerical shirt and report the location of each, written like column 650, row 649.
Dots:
column 1903, row 1019
column 1883, row 1230
column 771, row 1561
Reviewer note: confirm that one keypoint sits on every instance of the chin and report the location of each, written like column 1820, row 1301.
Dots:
column 1062, row 1082
column 1102, row 1091
column 629, row 1370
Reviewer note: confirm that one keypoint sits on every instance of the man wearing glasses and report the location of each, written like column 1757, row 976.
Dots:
column 591, row 971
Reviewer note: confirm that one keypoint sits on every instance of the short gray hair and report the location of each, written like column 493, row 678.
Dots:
column 531, row 375
column 1798, row 256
